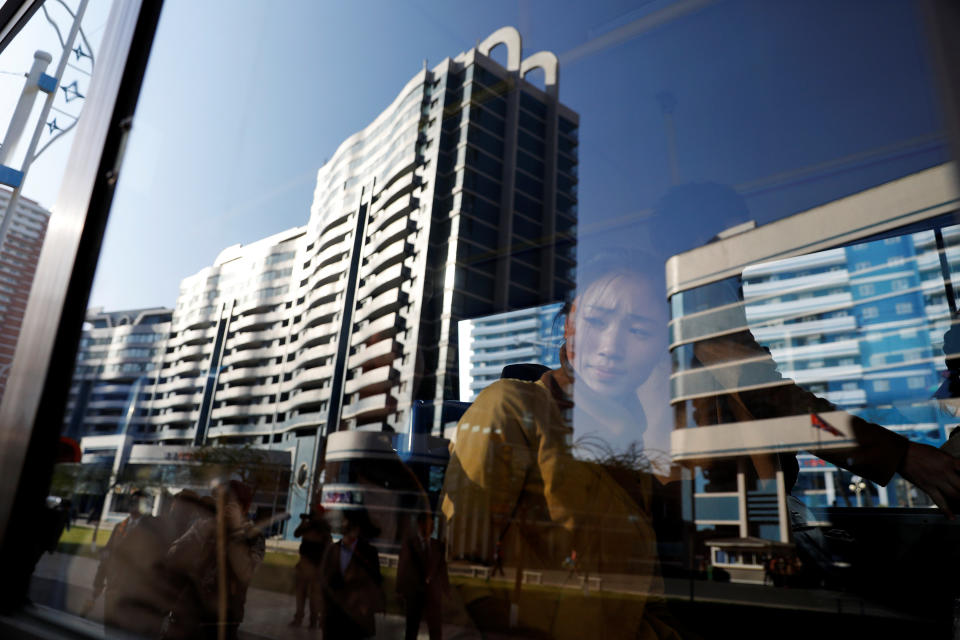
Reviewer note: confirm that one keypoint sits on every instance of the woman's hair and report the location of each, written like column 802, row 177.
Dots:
column 606, row 262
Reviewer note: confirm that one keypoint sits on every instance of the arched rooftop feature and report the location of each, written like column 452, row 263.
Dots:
column 508, row 36
column 547, row 61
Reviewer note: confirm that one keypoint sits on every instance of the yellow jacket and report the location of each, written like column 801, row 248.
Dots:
column 513, row 477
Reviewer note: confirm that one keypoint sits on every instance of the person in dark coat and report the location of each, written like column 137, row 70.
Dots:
column 422, row 579
column 315, row 535
column 352, row 583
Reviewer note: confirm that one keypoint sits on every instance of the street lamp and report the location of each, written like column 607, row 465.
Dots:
column 857, row 485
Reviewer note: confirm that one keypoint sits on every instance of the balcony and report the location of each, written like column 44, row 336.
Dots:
column 385, row 303
column 380, row 260
column 187, row 368
column 242, row 411
column 304, row 420
column 256, row 321
column 194, row 352
column 177, row 417
column 312, row 376
column 247, row 374
column 375, row 380
column 392, row 212
column 326, row 274
column 249, row 357
column 403, row 185
column 305, row 398
column 313, row 356
column 242, row 391
column 177, row 400
column 248, row 338
column 239, row 430
column 378, row 283
column 377, row 406
column 318, row 332
column 384, row 327
column 176, row 434
column 107, row 404
column 337, row 248
column 195, row 336
column 378, row 354
column 401, row 229
column 178, row 384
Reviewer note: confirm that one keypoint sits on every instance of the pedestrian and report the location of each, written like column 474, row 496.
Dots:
column 131, row 567
column 314, row 532
column 352, row 583
column 422, row 579
column 199, row 611
column 498, row 559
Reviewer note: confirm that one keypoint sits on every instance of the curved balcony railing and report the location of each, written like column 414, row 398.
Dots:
column 106, row 404
column 177, row 417
column 245, row 391
column 187, row 367
column 313, row 356
column 392, row 254
column 376, row 406
column 257, row 357
column 176, row 434
column 255, row 321
column 304, row 398
column 246, row 338
column 384, row 279
column 399, row 230
column 378, row 354
column 381, row 328
column 326, row 275
column 312, row 376
column 250, row 429
column 193, row 336
column 385, row 303
column 379, row 379
column 239, row 374
column 177, row 384
column 392, row 212
column 193, row 352
column 403, row 185
column 240, row 411
column 177, row 400
column 304, row 420
column 325, row 292
column 342, row 248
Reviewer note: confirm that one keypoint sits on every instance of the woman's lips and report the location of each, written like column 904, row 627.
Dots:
column 607, row 373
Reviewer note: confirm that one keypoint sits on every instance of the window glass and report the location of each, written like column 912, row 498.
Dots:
column 420, row 351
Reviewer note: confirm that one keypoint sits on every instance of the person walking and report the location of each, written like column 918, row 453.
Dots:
column 422, row 579
column 351, row 580
column 315, row 538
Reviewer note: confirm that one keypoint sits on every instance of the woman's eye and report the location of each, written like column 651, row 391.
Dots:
column 640, row 332
column 595, row 322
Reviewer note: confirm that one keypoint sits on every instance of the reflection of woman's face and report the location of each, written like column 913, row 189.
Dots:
column 619, row 334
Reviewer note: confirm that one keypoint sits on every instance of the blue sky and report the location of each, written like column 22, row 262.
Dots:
column 244, row 101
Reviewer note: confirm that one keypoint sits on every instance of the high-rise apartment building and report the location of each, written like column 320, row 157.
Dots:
column 18, row 262
column 117, row 367
column 459, row 200
column 489, row 343
column 857, row 319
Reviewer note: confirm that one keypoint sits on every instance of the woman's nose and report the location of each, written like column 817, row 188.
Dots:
column 610, row 344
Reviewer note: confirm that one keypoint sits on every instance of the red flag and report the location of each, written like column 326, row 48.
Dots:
column 822, row 424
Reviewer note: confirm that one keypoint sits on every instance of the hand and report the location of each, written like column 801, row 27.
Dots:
column 935, row 472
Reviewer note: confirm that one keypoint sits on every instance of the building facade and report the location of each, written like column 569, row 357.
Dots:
column 489, row 343
column 459, row 200
column 18, row 262
column 857, row 319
